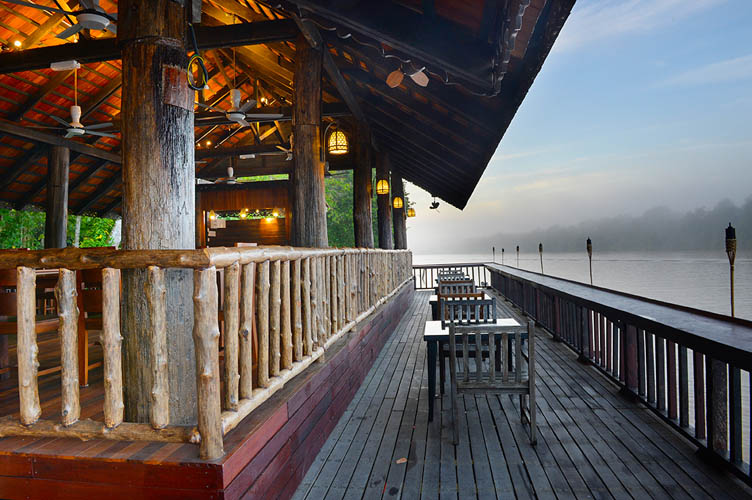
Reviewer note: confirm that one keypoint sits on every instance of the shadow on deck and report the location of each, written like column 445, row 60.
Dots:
column 592, row 442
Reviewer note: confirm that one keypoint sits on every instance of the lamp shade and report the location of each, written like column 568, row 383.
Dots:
column 397, row 202
column 337, row 144
column 411, row 212
column 212, row 215
column 382, row 187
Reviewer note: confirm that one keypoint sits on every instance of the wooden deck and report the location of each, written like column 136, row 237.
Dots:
column 592, row 441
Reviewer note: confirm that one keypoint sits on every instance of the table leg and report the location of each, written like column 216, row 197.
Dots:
column 432, row 348
column 442, row 368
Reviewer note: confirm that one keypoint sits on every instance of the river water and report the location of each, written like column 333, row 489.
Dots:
column 694, row 279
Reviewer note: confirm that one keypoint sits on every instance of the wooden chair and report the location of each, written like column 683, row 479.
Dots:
column 462, row 311
column 453, row 288
column 8, row 312
column 484, row 379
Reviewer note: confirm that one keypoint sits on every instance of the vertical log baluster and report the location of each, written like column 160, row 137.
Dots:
column 206, row 342
column 156, row 296
column 332, row 276
column 699, row 379
column 232, row 327
column 297, row 311
column 262, row 322
column 341, row 290
column 65, row 294
column 275, row 304
column 672, row 387
column 285, row 317
column 683, row 387
column 326, row 285
column 315, row 306
column 307, row 314
column 27, row 349
column 245, row 337
column 112, row 347
column 660, row 370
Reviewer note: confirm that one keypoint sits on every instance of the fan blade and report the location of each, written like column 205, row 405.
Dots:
column 112, row 28
column 44, row 127
column 264, row 116
column 211, row 107
column 244, row 123
column 68, row 135
column 38, row 7
column 101, row 134
column 88, row 4
column 70, row 31
column 60, row 120
column 99, row 125
column 247, row 105
column 113, row 15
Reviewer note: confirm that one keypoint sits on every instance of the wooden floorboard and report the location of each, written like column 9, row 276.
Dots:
column 592, row 442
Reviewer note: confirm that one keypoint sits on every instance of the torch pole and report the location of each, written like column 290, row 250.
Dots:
column 540, row 251
column 731, row 252
column 590, row 259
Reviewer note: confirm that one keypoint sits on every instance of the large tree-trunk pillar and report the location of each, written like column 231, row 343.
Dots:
column 56, row 221
column 362, row 221
column 384, row 204
column 398, row 217
column 158, row 197
column 309, row 204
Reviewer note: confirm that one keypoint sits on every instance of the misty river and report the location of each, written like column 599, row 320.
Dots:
column 694, row 279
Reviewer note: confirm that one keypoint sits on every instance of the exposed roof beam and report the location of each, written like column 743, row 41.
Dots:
column 237, row 151
column 434, row 41
column 106, row 49
column 55, row 140
column 32, row 156
column 99, row 193
column 104, row 94
column 51, row 84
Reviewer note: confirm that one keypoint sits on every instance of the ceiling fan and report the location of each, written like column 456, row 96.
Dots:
column 91, row 17
column 230, row 179
column 74, row 128
column 239, row 113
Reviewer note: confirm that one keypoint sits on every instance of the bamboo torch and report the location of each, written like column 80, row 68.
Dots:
column 518, row 256
column 590, row 258
column 540, row 251
column 731, row 252
column 502, row 256
column 493, row 250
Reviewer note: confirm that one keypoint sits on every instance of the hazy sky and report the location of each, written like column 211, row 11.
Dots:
column 640, row 103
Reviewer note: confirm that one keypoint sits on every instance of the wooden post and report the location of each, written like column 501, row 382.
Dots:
column 65, row 294
column 206, row 340
column 341, row 290
column 285, row 317
column 362, row 220
column 28, row 362
column 158, row 195
column 297, row 310
column 56, row 220
column 309, row 206
column 245, row 337
column 384, row 204
column 262, row 322
column 160, row 389
column 111, row 345
column 232, row 321
column 398, row 215
column 275, row 303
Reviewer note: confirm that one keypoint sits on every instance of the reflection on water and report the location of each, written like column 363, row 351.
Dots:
column 694, row 279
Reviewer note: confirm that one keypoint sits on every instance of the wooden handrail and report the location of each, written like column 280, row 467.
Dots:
column 304, row 300
column 659, row 353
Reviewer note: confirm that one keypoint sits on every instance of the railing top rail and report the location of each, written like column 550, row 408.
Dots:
column 703, row 329
column 92, row 258
column 453, row 264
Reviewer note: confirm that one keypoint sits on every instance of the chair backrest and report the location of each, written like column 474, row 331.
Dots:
column 453, row 278
column 485, row 375
column 464, row 311
column 451, row 288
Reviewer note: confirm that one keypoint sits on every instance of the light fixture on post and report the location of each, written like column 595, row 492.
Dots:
column 337, row 143
column 397, row 202
column 212, row 215
column 382, row 187
column 411, row 212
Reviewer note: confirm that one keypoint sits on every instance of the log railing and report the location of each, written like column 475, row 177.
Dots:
column 691, row 367
column 425, row 274
column 300, row 301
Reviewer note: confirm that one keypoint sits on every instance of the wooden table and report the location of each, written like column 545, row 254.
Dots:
column 434, row 336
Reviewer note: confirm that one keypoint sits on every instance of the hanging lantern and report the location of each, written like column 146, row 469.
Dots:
column 382, row 187
column 397, row 202
column 411, row 212
column 337, row 143
column 212, row 215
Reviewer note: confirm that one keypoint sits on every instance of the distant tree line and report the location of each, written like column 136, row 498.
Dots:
column 657, row 229
column 25, row 229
